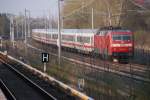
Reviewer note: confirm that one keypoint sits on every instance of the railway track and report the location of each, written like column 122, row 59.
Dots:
column 98, row 61
column 130, row 70
column 24, row 85
column 6, row 91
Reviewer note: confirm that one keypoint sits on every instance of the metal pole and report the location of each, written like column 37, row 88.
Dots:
column 25, row 27
column 50, row 24
column 92, row 19
column 44, row 67
column 59, row 34
column 10, row 28
column 13, row 32
column 29, row 24
column 17, row 28
column 22, row 27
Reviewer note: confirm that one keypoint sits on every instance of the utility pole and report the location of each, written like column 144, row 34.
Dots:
column 29, row 34
column 12, row 30
column 92, row 18
column 49, row 22
column 22, row 26
column 25, row 28
column 10, row 26
column 59, row 34
column 17, row 28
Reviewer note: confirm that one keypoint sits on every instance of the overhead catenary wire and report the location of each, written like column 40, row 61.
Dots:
column 138, row 5
column 76, row 10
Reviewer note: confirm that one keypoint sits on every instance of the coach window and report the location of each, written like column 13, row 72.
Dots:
column 79, row 39
column 48, row 36
column 67, row 38
column 55, row 36
column 83, row 39
column 71, row 38
column 86, row 39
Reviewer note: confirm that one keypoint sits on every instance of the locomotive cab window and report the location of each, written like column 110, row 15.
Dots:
column 116, row 37
column 122, row 37
column 127, row 37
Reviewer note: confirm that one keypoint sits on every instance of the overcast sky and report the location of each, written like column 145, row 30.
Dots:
column 37, row 7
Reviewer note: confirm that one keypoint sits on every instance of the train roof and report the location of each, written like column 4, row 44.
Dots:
column 88, row 32
column 66, row 31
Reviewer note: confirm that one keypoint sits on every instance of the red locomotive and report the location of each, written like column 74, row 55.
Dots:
column 114, row 42
column 109, row 41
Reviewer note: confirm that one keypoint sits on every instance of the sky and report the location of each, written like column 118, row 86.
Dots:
column 37, row 7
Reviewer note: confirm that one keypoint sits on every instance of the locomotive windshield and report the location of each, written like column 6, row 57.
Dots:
column 122, row 37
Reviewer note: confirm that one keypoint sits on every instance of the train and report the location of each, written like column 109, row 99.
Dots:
column 110, row 42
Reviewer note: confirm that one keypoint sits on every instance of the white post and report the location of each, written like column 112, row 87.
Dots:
column 92, row 19
column 44, row 67
column 59, row 34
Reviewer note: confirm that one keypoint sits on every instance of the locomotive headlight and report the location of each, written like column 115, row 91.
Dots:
column 115, row 45
column 121, row 45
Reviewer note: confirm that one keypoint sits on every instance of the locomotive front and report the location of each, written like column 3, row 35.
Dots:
column 122, row 44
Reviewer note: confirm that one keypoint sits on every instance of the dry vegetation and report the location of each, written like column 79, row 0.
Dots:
column 78, row 14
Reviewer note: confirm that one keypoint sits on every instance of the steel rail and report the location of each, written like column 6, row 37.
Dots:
column 9, row 95
column 29, row 80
